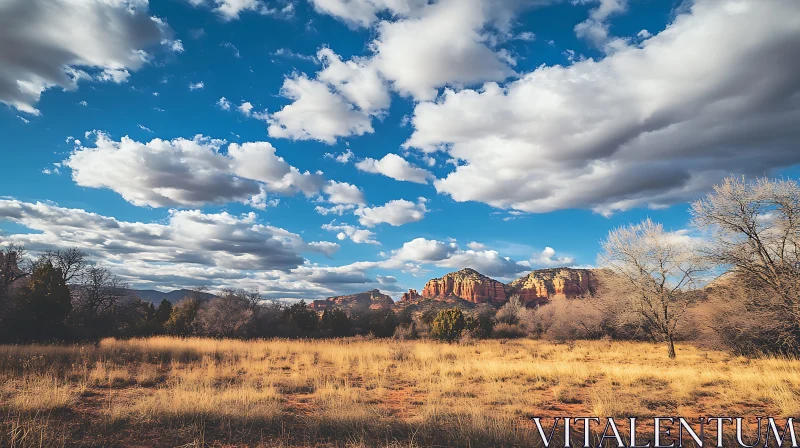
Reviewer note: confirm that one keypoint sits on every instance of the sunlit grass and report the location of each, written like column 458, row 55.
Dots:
column 480, row 394
column 42, row 394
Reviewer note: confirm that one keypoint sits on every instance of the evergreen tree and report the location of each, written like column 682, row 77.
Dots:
column 300, row 316
column 336, row 323
column 181, row 320
column 41, row 307
column 163, row 312
column 448, row 324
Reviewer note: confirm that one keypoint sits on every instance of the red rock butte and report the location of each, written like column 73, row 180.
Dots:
column 535, row 288
column 467, row 284
column 543, row 285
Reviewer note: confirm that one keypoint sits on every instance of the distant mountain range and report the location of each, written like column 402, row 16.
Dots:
column 151, row 295
column 469, row 288
column 536, row 288
column 467, row 285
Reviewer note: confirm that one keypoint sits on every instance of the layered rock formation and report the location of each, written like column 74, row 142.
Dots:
column 410, row 296
column 468, row 288
column 369, row 299
column 543, row 285
column 467, row 284
column 536, row 288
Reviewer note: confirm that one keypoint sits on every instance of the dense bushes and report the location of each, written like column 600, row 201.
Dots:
column 745, row 320
column 40, row 307
column 37, row 304
column 448, row 325
column 335, row 323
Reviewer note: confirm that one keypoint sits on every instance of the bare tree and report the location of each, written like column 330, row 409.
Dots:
column 11, row 258
column 755, row 231
column 72, row 262
column 251, row 297
column 226, row 316
column 744, row 320
column 511, row 312
column 660, row 270
column 99, row 292
column 10, row 271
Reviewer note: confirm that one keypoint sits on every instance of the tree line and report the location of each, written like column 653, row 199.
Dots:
column 61, row 296
column 732, row 284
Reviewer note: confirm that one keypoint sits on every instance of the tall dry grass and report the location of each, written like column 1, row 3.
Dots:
column 349, row 391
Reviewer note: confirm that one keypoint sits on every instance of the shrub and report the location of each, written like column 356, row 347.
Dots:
column 421, row 327
column 301, row 317
column 479, row 325
column 511, row 312
column 228, row 316
column 335, row 322
column 161, row 314
column 405, row 332
column 268, row 319
column 508, row 331
column 400, row 352
column 182, row 318
column 405, row 317
column 380, row 323
column 40, row 307
column 745, row 321
column 448, row 324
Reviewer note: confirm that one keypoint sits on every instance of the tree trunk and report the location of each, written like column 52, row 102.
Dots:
column 671, row 345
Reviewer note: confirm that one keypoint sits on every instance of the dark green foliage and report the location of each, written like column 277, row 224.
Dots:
column 96, row 302
column 336, row 323
column 428, row 316
column 161, row 315
column 181, row 319
column 40, row 307
column 405, row 317
column 133, row 317
column 301, row 317
column 268, row 320
column 480, row 324
column 448, row 324
column 380, row 323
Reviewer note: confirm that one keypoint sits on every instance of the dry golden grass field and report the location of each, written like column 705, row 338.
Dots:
column 355, row 392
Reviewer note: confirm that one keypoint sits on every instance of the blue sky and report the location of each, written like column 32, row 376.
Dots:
column 495, row 134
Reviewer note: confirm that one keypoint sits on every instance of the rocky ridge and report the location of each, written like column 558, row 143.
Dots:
column 543, row 285
column 535, row 288
column 469, row 288
column 467, row 284
column 373, row 300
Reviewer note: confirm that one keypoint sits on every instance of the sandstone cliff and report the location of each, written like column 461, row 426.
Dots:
column 467, row 284
column 543, row 285
column 410, row 296
column 369, row 299
column 535, row 288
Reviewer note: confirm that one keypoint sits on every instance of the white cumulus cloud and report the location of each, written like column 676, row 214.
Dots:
column 396, row 213
column 355, row 234
column 651, row 124
column 316, row 113
column 343, row 193
column 396, row 167
column 49, row 43
column 163, row 173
